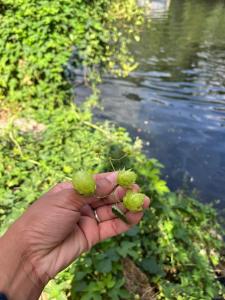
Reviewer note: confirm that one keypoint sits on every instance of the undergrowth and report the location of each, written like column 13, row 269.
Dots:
column 44, row 138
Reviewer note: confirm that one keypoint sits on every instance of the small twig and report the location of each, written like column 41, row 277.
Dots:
column 110, row 160
column 16, row 143
column 34, row 162
column 123, row 156
column 20, row 149
column 97, row 128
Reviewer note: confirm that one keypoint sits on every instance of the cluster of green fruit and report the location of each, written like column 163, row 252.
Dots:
column 84, row 183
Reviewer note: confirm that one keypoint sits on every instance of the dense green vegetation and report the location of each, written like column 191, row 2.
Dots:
column 37, row 39
column 44, row 137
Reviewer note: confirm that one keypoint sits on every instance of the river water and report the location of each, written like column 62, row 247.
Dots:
column 175, row 99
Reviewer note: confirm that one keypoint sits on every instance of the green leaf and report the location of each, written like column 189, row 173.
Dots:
column 125, row 248
column 80, row 275
column 104, row 266
column 151, row 266
column 80, row 286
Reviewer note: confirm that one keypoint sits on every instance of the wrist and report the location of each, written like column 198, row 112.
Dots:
column 17, row 275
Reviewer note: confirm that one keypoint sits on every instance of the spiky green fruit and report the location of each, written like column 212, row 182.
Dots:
column 126, row 178
column 133, row 201
column 84, row 183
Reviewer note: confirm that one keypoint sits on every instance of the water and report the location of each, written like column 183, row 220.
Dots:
column 175, row 100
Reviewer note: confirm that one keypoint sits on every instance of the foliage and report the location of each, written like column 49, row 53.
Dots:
column 37, row 38
column 183, row 242
column 178, row 256
column 178, row 242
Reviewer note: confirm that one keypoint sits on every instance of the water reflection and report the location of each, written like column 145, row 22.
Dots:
column 154, row 8
column 176, row 98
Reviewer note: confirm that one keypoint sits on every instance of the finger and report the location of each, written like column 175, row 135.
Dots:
column 87, row 211
column 105, row 212
column 59, row 187
column 133, row 217
column 116, row 226
column 116, row 196
column 147, row 202
column 90, row 230
column 105, row 183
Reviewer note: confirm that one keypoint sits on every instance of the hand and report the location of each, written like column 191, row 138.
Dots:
column 61, row 225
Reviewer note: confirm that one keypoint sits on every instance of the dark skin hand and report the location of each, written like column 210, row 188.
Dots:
column 55, row 230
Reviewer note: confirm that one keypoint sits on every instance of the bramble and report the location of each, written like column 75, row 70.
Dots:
column 133, row 201
column 126, row 178
column 84, row 183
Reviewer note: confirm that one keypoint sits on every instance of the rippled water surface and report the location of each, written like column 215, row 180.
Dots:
column 175, row 100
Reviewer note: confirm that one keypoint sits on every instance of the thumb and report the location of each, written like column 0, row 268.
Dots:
column 66, row 195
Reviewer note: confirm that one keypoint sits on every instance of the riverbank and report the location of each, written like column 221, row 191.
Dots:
column 176, row 95
column 176, row 232
column 44, row 138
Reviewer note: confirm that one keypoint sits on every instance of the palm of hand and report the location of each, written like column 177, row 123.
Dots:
column 61, row 225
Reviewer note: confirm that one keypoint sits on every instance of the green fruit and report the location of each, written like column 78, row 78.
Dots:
column 133, row 201
column 84, row 183
column 126, row 178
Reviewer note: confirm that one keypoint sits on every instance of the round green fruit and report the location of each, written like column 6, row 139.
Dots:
column 126, row 178
column 133, row 201
column 84, row 183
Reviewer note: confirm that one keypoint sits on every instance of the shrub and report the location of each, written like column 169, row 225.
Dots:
column 37, row 38
column 178, row 243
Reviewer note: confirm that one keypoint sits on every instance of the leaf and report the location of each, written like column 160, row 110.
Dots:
column 80, row 286
column 133, row 231
column 151, row 266
column 112, row 255
column 117, row 294
column 125, row 248
column 104, row 266
column 91, row 296
column 137, row 38
column 109, row 281
column 80, row 275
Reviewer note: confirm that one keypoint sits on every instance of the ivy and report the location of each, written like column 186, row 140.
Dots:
column 37, row 38
column 45, row 138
